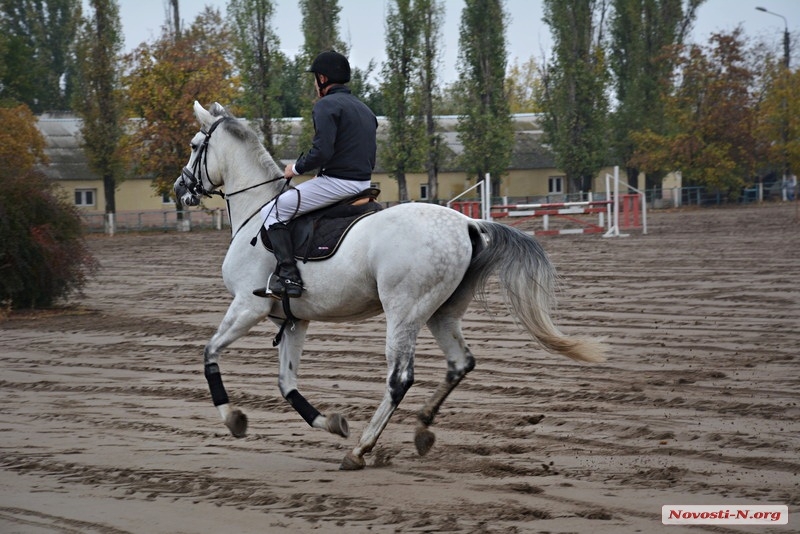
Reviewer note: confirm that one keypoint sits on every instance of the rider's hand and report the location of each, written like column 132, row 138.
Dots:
column 288, row 172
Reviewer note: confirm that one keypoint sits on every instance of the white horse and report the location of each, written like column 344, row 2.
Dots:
column 420, row 264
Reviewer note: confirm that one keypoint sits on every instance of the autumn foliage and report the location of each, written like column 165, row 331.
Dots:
column 164, row 80
column 43, row 257
column 725, row 118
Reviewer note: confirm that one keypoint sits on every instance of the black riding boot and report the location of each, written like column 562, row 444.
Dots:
column 286, row 278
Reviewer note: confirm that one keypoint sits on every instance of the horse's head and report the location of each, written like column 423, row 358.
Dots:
column 195, row 180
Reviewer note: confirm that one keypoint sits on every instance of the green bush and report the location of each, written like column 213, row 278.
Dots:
column 43, row 256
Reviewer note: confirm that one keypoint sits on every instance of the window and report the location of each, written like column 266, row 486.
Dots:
column 423, row 192
column 555, row 185
column 85, row 197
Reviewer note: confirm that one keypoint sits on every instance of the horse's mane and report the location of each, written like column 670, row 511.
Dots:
column 240, row 130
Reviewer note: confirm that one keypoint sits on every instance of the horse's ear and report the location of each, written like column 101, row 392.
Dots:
column 217, row 110
column 203, row 116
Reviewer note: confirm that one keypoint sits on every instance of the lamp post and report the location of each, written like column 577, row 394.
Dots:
column 785, row 106
column 785, row 34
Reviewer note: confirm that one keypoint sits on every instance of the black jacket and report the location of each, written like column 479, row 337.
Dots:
column 344, row 144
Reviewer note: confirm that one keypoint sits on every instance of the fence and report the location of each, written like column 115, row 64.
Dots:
column 624, row 211
column 165, row 220
column 566, row 212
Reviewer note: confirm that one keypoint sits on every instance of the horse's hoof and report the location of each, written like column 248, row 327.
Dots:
column 337, row 425
column 352, row 462
column 237, row 423
column 424, row 440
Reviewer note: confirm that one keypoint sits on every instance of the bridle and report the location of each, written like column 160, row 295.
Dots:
column 191, row 179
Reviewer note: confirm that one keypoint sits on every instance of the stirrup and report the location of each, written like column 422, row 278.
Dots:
column 273, row 289
column 278, row 287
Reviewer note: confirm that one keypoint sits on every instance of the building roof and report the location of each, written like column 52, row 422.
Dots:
column 62, row 133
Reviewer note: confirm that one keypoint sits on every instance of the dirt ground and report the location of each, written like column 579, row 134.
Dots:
column 107, row 425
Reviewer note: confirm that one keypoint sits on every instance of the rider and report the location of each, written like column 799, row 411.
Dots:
column 343, row 150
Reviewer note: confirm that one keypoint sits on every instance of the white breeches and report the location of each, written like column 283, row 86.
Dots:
column 316, row 193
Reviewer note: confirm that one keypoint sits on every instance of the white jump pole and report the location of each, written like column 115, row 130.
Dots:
column 486, row 197
column 608, row 204
column 613, row 221
column 616, row 200
column 644, row 212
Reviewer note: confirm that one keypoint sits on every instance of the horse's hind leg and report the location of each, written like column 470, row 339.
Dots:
column 445, row 325
column 400, row 342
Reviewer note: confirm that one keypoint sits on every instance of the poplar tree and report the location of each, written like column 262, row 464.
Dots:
column 643, row 35
column 573, row 90
column 484, row 126
column 401, row 152
column 260, row 62
column 432, row 14
column 98, row 100
column 320, row 33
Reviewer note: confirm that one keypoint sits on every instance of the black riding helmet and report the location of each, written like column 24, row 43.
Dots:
column 333, row 65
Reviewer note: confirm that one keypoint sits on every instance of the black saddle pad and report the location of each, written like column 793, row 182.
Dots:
column 317, row 235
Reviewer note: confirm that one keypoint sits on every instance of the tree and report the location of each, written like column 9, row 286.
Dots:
column 573, row 90
column 38, row 34
column 484, row 126
column 21, row 143
column 523, row 84
column 643, row 32
column 43, row 257
column 289, row 80
column 260, row 61
column 401, row 151
column 320, row 33
column 98, row 99
column 174, row 19
column 432, row 15
column 164, row 79
column 713, row 111
column 365, row 89
column 320, row 27
column 778, row 126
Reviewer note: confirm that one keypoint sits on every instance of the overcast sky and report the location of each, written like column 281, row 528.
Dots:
column 362, row 25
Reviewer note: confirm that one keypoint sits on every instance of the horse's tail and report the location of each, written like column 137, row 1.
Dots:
column 528, row 281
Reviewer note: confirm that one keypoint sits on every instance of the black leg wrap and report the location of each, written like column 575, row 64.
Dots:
column 218, row 394
column 299, row 403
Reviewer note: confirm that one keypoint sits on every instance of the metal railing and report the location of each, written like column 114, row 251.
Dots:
column 158, row 220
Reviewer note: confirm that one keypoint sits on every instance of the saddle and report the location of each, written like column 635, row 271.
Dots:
column 316, row 235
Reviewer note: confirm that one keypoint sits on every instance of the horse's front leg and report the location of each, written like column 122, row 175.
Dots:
column 400, row 344
column 290, row 350
column 242, row 315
